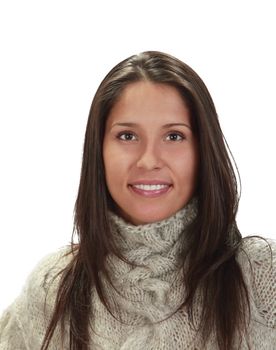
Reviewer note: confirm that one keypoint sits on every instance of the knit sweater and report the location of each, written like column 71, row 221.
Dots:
column 146, row 296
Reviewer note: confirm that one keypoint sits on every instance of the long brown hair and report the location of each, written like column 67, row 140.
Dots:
column 214, row 238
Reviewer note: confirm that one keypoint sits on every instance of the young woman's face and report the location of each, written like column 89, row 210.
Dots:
column 150, row 153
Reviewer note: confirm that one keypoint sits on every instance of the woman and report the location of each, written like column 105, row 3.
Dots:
column 160, row 262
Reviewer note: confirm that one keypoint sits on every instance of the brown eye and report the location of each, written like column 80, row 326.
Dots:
column 126, row 136
column 175, row 136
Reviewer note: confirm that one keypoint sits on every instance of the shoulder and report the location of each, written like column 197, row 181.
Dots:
column 258, row 254
column 44, row 278
column 257, row 258
column 50, row 265
column 46, row 274
column 258, row 247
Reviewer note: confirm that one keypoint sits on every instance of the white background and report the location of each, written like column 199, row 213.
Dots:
column 53, row 56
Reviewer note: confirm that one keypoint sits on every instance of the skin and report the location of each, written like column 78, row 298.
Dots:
column 141, row 146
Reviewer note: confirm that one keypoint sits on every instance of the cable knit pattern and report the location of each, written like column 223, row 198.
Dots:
column 147, row 294
column 145, row 291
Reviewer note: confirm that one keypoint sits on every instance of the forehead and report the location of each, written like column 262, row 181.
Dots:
column 145, row 100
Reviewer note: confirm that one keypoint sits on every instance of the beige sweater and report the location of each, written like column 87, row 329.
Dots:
column 148, row 294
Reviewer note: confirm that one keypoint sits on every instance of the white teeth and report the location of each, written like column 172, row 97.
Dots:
column 150, row 187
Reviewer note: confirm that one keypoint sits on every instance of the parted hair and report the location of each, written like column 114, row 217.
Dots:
column 213, row 237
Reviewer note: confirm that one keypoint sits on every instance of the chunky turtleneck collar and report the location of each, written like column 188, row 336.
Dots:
column 138, row 243
column 149, row 288
column 154, row 253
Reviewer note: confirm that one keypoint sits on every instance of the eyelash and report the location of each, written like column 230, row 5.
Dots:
column 123, row 133
column 179, row 134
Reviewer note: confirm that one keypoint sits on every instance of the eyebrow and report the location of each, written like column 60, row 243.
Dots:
column 169, row 125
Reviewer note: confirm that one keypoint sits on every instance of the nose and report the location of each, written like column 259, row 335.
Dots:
column 150, row 157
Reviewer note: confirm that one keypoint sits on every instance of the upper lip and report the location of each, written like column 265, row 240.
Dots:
column 150, row 182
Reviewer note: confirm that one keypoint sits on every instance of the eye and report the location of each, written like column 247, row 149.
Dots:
column 126, row 136
column 175, row 136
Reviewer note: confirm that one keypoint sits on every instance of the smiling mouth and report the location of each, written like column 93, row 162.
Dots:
column 150, row 187
column 150, row 191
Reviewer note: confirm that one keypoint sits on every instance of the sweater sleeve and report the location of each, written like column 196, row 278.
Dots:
column 262, row 255
column 11, row 336
column 24, row 323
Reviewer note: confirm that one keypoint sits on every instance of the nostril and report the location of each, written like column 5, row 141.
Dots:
column 149, row 163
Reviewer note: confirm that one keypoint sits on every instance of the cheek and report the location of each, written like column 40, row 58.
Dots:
column 186, row 167
column 116, row 165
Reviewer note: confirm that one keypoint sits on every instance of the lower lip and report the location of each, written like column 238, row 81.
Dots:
column 150, row 194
